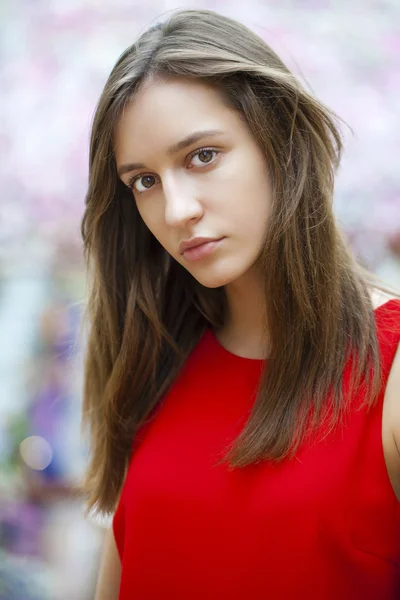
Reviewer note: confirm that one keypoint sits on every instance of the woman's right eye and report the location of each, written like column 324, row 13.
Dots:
column 145, row 184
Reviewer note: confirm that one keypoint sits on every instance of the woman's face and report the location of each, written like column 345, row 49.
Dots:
column 214, row 185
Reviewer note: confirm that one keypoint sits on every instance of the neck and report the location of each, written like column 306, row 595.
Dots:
column 245, row 332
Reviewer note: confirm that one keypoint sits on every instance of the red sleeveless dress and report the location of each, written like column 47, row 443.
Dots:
column 322, row 526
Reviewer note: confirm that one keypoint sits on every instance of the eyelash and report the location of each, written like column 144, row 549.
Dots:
column 134, row 178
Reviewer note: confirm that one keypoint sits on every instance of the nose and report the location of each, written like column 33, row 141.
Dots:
column 182, row 203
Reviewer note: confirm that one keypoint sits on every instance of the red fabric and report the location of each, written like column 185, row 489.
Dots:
column 322, row 526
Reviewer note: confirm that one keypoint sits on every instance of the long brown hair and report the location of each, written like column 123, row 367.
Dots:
column 146, row 312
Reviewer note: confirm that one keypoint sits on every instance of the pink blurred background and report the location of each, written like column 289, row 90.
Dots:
column 55, row 58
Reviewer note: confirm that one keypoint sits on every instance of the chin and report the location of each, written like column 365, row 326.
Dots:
column 212, row 280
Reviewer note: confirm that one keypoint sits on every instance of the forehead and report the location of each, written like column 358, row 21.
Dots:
column 163, row 112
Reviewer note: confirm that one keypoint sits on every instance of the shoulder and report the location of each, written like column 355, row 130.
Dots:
column 391, row 408
column 391, row 424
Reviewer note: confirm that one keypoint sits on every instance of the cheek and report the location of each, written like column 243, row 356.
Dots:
column 249, row 193
column 253, row 219
column 250, row 209
column 261, row 199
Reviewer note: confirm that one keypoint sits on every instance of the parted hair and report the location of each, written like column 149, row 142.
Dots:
column 145, row 313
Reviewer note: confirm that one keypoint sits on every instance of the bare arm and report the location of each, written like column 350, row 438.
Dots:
column 110, row 570
column 391, row 425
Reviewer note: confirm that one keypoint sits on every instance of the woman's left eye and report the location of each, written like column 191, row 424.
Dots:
column 205, row 155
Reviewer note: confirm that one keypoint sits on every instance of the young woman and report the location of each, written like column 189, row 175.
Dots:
column 242, row 385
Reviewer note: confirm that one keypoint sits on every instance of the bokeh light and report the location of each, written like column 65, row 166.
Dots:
column 36, row 452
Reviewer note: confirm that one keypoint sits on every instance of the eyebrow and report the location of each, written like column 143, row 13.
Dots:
column 174, row 149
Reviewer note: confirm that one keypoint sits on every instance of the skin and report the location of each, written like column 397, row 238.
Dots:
column 109, row 578
column 224, row 192
column 227, row 194
column 215, row 194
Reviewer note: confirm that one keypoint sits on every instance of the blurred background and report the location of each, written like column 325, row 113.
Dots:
column 55, row 58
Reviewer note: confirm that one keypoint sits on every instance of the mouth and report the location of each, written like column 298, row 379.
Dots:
column 202, row 250
column 194, row 242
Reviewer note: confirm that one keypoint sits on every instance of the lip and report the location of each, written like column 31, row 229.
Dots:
column 201, row 251
column 194, row 242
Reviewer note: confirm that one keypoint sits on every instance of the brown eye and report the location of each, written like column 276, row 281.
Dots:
column 205, row 155
column 145, row 183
